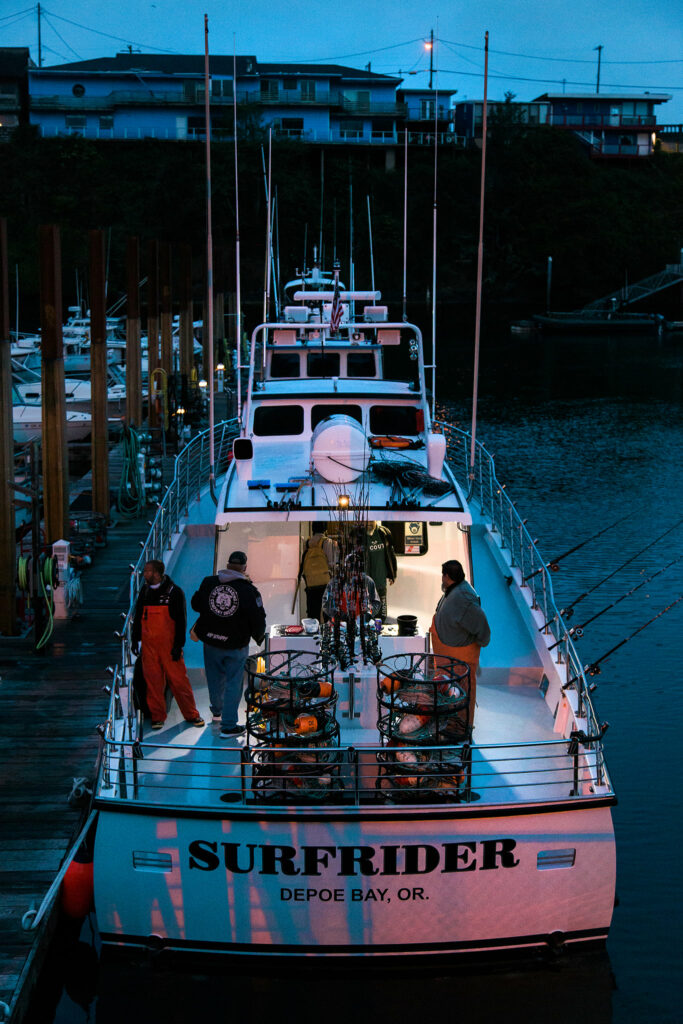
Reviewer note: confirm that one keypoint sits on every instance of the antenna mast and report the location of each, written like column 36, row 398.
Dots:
column 372, row 258
column 480, row 263
column 405, row 224
column 209, row 256
column 238, row 332
column 436, row 152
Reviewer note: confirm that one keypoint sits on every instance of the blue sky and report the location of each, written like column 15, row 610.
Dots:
column 534, row 46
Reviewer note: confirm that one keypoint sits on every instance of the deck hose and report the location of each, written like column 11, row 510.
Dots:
column 131, row 500
column 48, row 579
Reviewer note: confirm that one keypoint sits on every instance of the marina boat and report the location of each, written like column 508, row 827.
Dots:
column 374, row 808
column 28, row 386
column 28, row 421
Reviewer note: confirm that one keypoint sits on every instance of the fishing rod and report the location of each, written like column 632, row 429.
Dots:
column 569, row 610
column 552, row 564
column 577, row 631
column 594, row 668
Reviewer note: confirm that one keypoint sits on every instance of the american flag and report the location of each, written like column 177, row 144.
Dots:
column 337, row 309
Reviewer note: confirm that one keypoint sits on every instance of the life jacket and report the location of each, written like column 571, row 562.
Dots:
column 315, row 570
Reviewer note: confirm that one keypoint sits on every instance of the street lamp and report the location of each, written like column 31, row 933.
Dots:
column 220, row 370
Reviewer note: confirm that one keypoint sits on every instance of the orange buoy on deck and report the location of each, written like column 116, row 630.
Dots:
column 77, row 890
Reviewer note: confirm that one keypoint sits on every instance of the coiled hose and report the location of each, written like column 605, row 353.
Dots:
column 47, row 577
column 131, row 500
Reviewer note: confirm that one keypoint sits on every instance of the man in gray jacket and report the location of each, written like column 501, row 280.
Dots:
column 460, row 628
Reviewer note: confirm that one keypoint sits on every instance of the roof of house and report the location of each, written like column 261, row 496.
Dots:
column 654, row 97
column 193, row 64
column 163, row 63
column 324, row 70
column 14, row 60
column 431, row 92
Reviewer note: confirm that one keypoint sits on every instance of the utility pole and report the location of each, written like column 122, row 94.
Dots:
column 40, row 47
column 430, row 47
column 599, row 49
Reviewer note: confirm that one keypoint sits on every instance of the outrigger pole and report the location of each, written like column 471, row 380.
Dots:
column 405, row 222
column 238, row 331
column 209, row 256
column 480, row 263
column 436, row 151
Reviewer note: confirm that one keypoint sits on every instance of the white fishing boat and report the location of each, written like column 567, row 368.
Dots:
column 77, row 392
column 408, row 822
column 28, row 421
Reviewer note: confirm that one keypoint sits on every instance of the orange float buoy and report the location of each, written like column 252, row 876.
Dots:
column 77, row 890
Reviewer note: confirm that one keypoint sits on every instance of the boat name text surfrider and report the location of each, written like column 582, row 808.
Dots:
column 404, row 859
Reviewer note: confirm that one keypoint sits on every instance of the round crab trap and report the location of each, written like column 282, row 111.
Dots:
column 423, row 699
column 408, row 774
column 292, row 730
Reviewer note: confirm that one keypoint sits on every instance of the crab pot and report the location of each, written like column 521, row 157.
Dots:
column 409, row 774
column 310, row 772
column 291, row 711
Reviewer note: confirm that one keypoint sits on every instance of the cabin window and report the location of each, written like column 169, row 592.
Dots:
column 322, row 364
column 394, row 419
column 321, row 412
column 278, row 420
column 360, row 364
column 409, row 538
column 284, row 364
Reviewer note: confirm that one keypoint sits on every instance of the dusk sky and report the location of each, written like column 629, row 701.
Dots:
column 535, row 46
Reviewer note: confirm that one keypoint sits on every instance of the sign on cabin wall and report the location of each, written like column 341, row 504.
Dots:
column 413, row 538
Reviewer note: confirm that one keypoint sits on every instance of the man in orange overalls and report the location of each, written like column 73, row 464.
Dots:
column 460, row 628
column 159, row 625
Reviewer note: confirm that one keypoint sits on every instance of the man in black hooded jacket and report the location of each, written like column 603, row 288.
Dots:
column 230, row 613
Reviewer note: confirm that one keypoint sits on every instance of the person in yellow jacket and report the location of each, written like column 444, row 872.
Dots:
column 460, row 628
column 319, row 558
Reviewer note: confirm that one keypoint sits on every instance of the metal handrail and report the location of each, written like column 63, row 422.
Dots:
column 498, row 508
column 191, row 474
column 489, row 771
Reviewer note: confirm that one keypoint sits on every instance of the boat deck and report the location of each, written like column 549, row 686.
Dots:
column 516, row 753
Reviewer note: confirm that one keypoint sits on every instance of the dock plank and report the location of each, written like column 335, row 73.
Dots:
column 51, row 706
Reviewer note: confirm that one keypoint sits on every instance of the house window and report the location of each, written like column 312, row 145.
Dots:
column 293, row 126
column 308, row 90
column 221, row 88
column 427, row 110
column 363, row 100
column 106, row 124
column 78, row 90
column 76, row 124
column 270, row 89
column 289, row 84
column 351, row 129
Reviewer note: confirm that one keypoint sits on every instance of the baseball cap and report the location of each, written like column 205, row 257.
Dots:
column 237, row 558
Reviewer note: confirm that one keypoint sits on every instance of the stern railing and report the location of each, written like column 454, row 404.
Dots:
column 505, row 522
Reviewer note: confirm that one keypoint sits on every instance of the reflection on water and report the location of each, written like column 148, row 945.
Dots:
column 585, row 431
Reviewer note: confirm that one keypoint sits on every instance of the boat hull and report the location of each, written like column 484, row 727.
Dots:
column 393, row 883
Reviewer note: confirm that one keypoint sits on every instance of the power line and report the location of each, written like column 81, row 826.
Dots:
column 560, row 60
column 120, row 39
column 62, row 39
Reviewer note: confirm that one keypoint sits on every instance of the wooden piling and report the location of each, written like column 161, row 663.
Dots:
column 133, row 368
column 98, row 376
column 152, row 326
column 166, row 360
column 8, row 547
column 54, row 447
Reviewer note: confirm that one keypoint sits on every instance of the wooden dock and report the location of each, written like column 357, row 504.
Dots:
column 51, row 704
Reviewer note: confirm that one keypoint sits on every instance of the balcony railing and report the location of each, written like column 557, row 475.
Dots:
column 606, row 120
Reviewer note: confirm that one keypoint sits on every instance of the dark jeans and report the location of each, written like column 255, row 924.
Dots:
column 314, row 600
